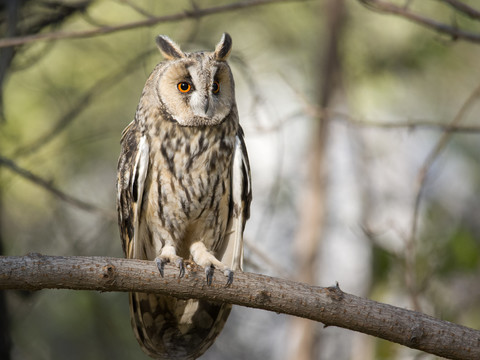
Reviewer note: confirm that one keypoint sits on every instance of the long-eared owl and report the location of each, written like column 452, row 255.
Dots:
column 183, row 193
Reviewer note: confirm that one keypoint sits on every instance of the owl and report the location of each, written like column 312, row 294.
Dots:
column 183, row 193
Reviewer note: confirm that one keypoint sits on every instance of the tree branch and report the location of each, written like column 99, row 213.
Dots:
column 402, row 11
column 196, row 13
column 463, row 8
column 101, row 86
column 422, row 177
column 46, row 185
column 331, row 306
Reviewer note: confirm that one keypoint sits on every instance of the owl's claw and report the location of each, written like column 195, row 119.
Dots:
column 181, row 265
column 160, row 261
column 160, row 265
column 229, row 274
column 209, row 270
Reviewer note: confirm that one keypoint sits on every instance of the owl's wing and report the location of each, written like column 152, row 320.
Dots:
column 241, row 196
column 132, row 172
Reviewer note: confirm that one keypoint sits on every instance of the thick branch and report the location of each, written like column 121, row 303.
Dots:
column 330, row 306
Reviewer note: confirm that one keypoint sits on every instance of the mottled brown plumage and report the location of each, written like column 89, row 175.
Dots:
column 184, row 193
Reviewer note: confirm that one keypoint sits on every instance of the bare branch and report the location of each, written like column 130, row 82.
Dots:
column 315, row 111
column 196, row 13
column 421, row 181
column 409, row 124
column 92, row 94
column 137, row 8
column 463, row 8
column 389, row 8
column 26, row 174
column 331, row 306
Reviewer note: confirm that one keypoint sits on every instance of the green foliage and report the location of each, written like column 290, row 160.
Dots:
column 462, row 252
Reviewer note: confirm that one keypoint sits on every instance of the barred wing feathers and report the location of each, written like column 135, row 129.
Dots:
column 241, row 197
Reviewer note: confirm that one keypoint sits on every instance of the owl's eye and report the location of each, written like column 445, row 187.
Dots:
column 215, row 87
column 184, row 87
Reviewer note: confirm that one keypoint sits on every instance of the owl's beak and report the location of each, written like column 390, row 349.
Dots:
column 206, row 105
column 200, row 105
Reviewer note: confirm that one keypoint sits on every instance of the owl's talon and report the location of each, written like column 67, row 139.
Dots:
column 181, row 265
column 209, row 273
column 160, row 265
column 229, row 274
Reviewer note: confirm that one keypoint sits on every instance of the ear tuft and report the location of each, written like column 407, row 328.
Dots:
column 223, row 48
column 169, row 49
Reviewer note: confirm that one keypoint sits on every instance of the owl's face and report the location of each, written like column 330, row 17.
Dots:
column 195, row 88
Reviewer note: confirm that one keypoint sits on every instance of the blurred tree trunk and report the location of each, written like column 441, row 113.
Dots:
column 5, row 339
column 304, row 333
column 6, row 56
column 16, row 19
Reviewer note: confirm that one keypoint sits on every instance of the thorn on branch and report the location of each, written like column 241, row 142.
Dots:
column 335, row 292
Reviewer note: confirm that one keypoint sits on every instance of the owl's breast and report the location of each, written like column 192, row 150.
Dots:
column 191, row 169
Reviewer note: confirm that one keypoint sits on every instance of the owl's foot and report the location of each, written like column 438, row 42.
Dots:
column 168, row 256
column 201, row 256
column 209, row 270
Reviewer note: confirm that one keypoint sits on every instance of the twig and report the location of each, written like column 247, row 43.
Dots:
column 15, row 41
column 136, row 8
column 410, row 124
column 389, row 8
column 104, row 84
column 331, row 306
column 315, row 111
column 421, row 181
column 46, row 185
column 463, row 8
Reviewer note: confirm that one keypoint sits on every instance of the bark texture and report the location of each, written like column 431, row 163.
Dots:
column 328, row 305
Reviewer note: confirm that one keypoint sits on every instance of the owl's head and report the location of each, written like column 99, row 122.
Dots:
column 195, row 88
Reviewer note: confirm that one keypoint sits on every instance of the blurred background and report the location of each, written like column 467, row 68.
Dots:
column 363, row 137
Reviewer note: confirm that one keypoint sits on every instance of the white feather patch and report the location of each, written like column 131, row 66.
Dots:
column 138, row 180
column 237, row 191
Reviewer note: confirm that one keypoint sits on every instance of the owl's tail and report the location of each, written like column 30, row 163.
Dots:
column 171, row 328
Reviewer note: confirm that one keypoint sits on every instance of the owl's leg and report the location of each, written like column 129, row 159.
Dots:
column 205, row 258
column 168, row 254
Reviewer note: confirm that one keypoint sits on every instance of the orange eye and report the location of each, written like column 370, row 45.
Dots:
column 184, row 87
column 215, row 87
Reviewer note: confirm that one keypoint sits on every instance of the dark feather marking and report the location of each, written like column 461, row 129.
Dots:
column 224, row 147
column 185, row 207
column 168, row 49
column 135, row 306
column 214, row 190
column 225, row 49
column 135, row 187
column 187, row 195
column 160, row 203
column 212, row 163
column 201, row 148
column 168, row 159
column 224, row 187
column 150, row 238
